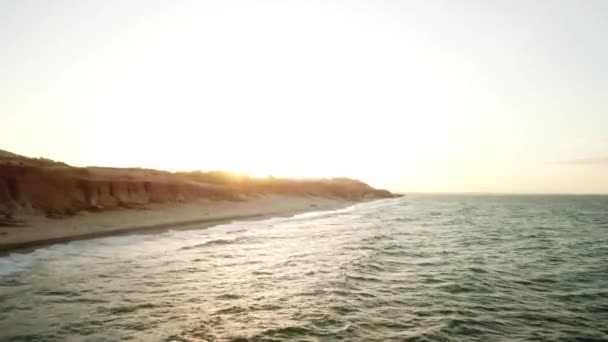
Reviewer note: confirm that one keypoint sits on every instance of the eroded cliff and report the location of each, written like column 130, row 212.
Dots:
column 55, row 189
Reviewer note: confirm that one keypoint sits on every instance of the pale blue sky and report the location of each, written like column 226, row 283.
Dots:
column 506, row 96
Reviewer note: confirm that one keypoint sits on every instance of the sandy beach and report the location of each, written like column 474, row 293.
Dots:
column 40, row 230
column 43, row 201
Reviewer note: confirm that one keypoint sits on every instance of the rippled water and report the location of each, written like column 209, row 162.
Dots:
column 419, row 268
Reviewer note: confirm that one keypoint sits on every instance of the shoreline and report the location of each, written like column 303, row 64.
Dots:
column 42, row 231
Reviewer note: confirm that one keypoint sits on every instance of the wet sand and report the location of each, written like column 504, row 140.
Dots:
column 39, row 230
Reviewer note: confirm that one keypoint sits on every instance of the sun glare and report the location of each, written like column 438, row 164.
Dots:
column 404, row 96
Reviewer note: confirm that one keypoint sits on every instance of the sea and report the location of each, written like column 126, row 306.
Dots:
column 418, row 268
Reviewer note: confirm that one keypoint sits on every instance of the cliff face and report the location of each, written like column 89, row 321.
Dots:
column 65, row 191
column 54, row 189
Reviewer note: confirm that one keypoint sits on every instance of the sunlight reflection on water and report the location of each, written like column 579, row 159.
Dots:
column 419, row 268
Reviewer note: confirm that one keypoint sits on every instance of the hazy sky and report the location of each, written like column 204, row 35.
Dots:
column 502, row 96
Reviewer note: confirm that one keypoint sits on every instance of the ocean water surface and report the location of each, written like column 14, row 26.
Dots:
column 418, row 268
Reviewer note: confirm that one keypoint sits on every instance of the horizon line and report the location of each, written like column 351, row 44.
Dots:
column 502, row 193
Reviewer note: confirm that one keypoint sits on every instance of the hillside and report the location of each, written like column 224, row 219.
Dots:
column 55, row 189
